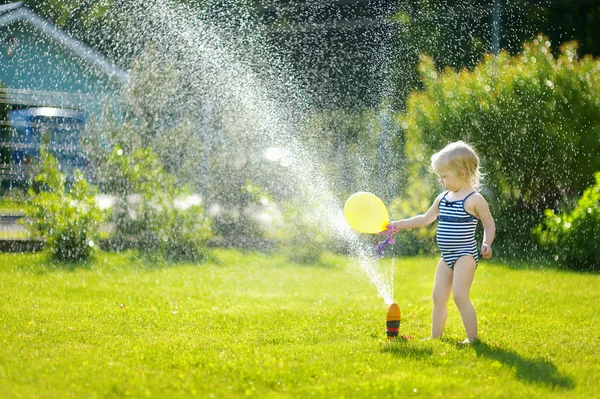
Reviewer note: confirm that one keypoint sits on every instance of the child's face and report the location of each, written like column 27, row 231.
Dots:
column 450, row 179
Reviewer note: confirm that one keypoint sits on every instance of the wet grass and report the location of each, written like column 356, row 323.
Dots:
column 256, row 325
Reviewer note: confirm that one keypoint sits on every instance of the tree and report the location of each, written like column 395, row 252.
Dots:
column 458, row 33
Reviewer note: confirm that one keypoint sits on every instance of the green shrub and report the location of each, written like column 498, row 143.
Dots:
column 302, row 235
column 534, row 119
column 416, row 199
column 68, row 219
column 235, row 223
column 185, row 233
column 573, row 236
column 145, row 215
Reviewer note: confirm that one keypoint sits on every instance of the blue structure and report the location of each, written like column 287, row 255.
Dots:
column 49, row 81
column 63, row 126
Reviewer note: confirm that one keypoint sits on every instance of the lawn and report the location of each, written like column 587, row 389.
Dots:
column 257, row 325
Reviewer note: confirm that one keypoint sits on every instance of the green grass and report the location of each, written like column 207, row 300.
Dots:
column 255, row 325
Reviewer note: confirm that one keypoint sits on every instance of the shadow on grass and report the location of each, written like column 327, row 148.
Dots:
column 152, row 262
column 50, row 265
column 536, row 371
column 41, row 263
column 406, row 350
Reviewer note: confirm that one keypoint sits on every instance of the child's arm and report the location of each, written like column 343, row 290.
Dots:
column 418, row 221
column 482, row 211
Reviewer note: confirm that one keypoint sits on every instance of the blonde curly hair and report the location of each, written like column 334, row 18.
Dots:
column 459, row 156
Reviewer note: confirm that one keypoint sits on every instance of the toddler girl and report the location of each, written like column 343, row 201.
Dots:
column 458, row 210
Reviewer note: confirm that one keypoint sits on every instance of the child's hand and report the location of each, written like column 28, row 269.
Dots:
column 391, row 228
column 486, row 251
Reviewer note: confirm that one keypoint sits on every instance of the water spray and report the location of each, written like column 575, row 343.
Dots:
column 247, row 99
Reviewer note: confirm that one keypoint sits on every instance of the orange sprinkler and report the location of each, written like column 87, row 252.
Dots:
column 392, row 323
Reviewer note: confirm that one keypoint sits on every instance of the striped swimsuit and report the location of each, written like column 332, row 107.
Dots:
column 456, row 231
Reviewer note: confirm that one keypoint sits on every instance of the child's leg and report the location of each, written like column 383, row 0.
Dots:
column 441, row 293
column 464, row 271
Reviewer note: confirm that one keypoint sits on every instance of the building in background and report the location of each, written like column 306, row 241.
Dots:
column 49, row 82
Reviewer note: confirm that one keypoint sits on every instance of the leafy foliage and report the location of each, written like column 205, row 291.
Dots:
column 534, row 118
column 356, row 149
column 68, row 218
column 237, row 214
column 165, row 115
column 303, row 237
column 146, row 215
column 415, row 201
column 458, row 33
column 574, row 236
column 157, row 115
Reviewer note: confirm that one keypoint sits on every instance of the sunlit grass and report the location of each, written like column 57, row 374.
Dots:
column 256, row 325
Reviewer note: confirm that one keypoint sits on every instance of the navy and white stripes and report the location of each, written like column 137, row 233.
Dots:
column 456, row 230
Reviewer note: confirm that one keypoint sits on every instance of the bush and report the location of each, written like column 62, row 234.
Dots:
column 68, row 219
column 185, row 233
column 236, row 222
column 573, row 237
column 417, row 198
column 302, row 234
column 534, row 119
column 145, row 214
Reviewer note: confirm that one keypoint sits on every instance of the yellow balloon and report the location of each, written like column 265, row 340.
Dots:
column 366, row 213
